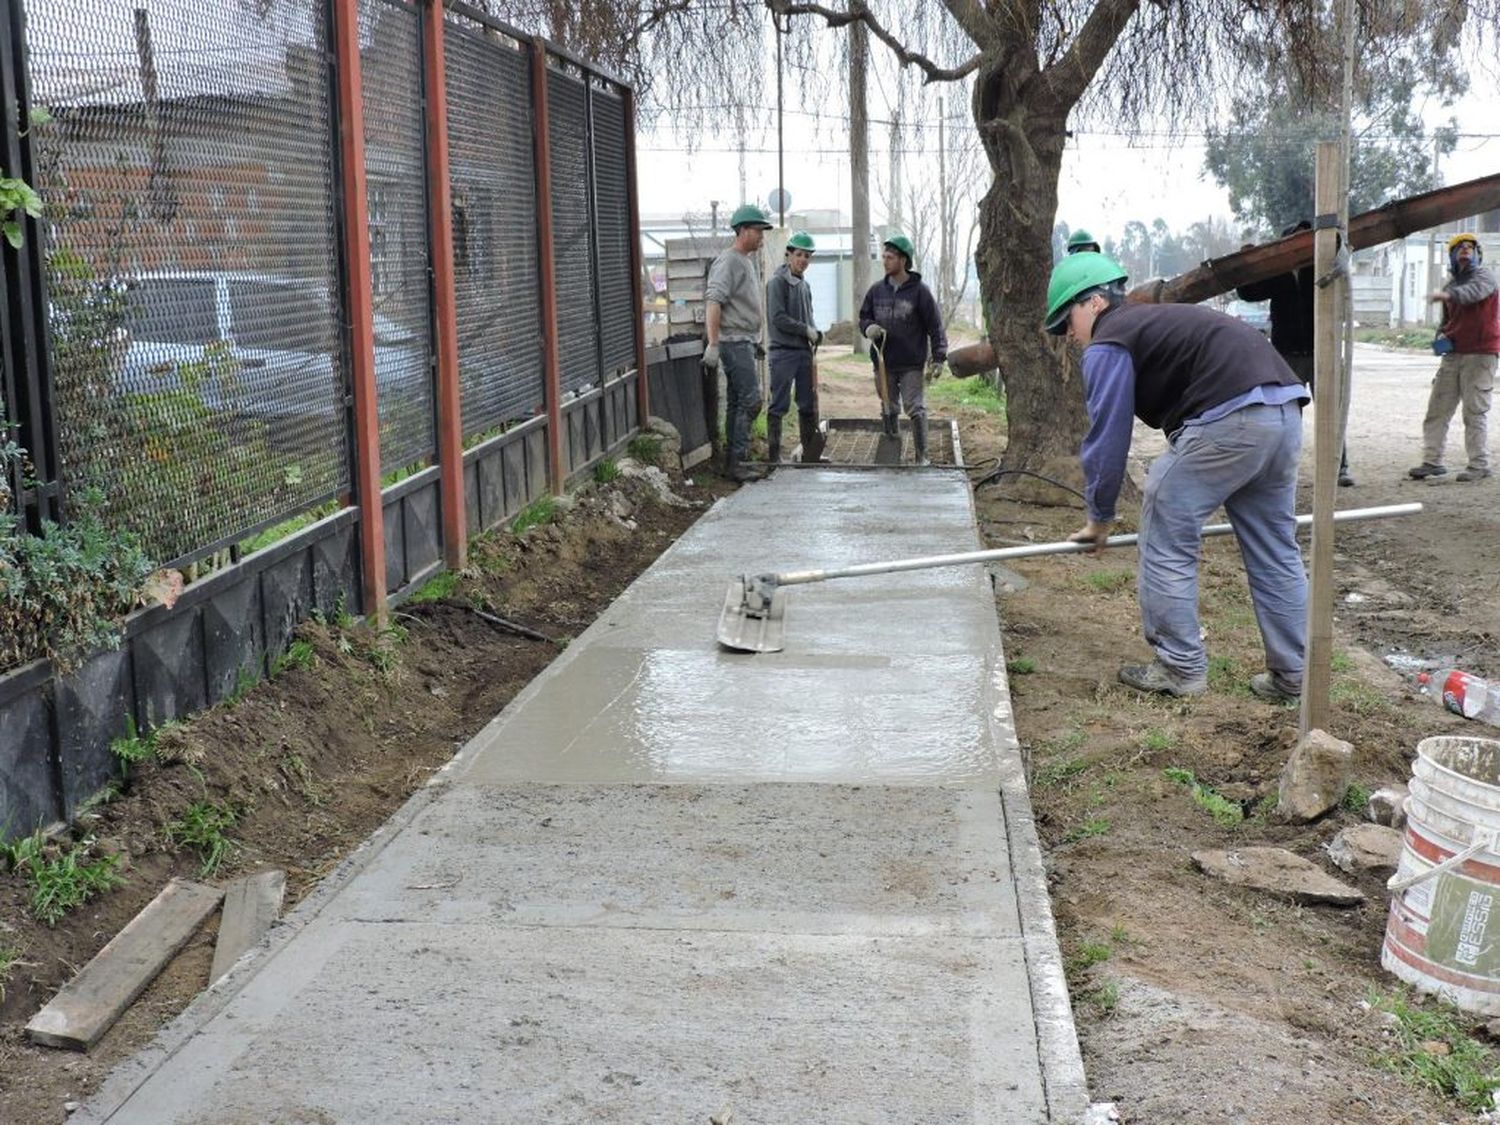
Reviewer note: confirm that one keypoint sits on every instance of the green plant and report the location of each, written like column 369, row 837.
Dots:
column 1356, row 798
column 1360, row 697
column 67, row 881
column 1108, row 581
column 202, row 828
column 244, row 681
column 1105, row 998
column 9, row 955
column 298, row 654
column 1118, row 935
column 1055, row 773
column 19, row 853
column 439, row 588
column 1089, row 954
column 133, row 748
column 1224, row 676
column 1098, row 826
column 968, row 394
column 1224, row 811
column 1021, row 666
column 16, row 195
column 1465, row 1071
column 606, row 471
column 535, row 514
column 645, row 448
column 1156, row 740
column 1341, row 661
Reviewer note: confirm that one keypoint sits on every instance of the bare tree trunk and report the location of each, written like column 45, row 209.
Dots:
column 1043, row 392
column 859, row 169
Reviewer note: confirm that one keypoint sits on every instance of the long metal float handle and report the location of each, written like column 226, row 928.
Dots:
column 801, row 577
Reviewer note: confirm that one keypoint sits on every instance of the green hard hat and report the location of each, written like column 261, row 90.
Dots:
column 801, row 240
column 1079, row 239
column 900, row 242
column 749, row 215
column 1072, row 277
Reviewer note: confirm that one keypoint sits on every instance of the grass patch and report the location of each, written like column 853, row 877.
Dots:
column 1341, row 662
column 967, row 394
column 1156, row 740
column 1089, row 954
column 1224, row 675
column 535, row 514
column 606, row 471
column 1055, row 773
column 645, row 448
column 1108, row 581
column 1224, row 811
column 1021, row 666
column 298, row 654
column 439, row 588
column 1104, row 999
column 1356, row 797
column 1466, row 1073
column 202, row 828
column 1359, row 697
column 1420, row 338
column 67, row 881
column 1097, row 826
column 9, row 955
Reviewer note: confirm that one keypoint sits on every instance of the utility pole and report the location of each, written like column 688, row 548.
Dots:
column 739, row 129
column 896, row 186
column 859, row 165
column 946, row 232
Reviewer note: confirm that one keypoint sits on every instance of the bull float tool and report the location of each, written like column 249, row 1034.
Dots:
column 754, row 614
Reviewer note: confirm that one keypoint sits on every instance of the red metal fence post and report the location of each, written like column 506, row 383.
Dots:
column 547, row 274
column 450, row 430
column 365, row 471
column 637, row 266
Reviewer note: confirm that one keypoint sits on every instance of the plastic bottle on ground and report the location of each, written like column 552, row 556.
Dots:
column 1463, row 693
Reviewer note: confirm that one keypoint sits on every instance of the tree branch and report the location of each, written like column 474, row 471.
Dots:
column 1069, row 77
column 905, row 55
column 977, row 24
column 657, row 16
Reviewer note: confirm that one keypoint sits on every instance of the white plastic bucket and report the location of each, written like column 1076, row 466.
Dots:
column 1443, row 932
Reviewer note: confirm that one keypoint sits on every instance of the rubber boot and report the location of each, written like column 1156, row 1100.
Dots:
column 919, row 439
column 773, row 438
column 890, row 424
column 812, row 437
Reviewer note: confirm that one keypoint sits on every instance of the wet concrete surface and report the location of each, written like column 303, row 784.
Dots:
column 624, row 902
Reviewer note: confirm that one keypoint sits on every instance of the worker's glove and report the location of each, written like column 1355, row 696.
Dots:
column 814, row 337
column 711, row 357
column 874, row 332
column 934, row 369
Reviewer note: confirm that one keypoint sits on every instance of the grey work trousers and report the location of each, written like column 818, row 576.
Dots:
column 1246, row 461
column 1466, row 379
column 741, row 395
column 905, row 389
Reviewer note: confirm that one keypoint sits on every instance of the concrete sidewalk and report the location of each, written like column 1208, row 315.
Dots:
column 669, row 883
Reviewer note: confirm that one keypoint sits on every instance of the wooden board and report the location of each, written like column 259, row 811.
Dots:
column 100, row 993
column 251, row 904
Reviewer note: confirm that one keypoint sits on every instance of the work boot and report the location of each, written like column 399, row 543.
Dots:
column 1157, row 677
column 773, row 438
column 890, row 424
column 919, row 439
column 742, row 473
column 1270, row 686
column 1426, row 469
column 1472, row 474
column 812, row 437
column 1345, row 480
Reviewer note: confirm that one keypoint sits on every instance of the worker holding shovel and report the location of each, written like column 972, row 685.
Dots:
column 1231, row 410
column 901, row 320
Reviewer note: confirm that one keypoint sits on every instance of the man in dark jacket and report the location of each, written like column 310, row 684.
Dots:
column 794, row 343
column 1291, row 296
column 900, row 317
column 1231, row 410
column 1466, row 373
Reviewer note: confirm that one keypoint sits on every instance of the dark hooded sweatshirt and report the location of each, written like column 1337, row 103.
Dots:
column 911, row 321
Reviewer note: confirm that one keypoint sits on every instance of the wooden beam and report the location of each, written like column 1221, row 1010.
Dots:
column 1328, row 305
column 91, row 1002
column 251, row 905
column 450, row 429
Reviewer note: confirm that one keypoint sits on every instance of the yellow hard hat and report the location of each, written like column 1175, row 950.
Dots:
column 1465, row 236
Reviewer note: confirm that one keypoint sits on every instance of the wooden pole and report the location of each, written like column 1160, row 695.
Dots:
column 547, row 272
column 1328, row 390
column 365, row 471
column 450, row 429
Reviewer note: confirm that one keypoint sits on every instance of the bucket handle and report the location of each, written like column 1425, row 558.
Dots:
column 1484, row 840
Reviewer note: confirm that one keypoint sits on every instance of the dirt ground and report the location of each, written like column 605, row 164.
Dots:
column 315, row 759
column 1194, row 1002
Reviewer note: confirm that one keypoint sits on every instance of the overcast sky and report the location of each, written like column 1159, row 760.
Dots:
column 1106, row 180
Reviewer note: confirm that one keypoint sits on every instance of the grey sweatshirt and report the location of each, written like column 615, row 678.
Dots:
column 734, row 285
column 789, row 307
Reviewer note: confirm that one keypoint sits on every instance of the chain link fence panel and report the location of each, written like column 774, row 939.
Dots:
column 617, row 310
column 396, row 190
column 184, row 153
column 573, row 231
column 492, row 168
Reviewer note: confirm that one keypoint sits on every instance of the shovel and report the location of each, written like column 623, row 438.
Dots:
column 888, row 448
column 754, row 614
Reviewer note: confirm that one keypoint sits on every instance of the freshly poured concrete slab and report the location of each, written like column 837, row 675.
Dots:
column 625, row 902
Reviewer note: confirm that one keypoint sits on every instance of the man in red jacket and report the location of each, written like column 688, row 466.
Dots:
column 1466, row 374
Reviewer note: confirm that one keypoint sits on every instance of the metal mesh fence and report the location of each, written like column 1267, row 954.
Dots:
column 194, row 314
column 395, row 171
column 572, row 231
column 617, row 311
column 492, row 167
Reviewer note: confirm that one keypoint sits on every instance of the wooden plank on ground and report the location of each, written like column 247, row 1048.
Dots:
column 100, row 993
column 251, row 904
